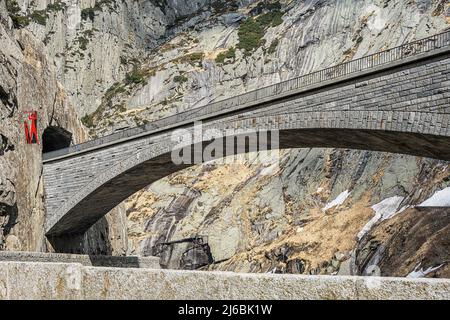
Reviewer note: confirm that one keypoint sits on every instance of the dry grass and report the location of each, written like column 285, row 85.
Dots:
column 223, row 178
column 319, row 239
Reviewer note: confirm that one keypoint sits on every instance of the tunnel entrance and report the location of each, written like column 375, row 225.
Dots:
column 55, row 138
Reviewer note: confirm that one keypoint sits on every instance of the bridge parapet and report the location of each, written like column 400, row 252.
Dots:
column 402, row 54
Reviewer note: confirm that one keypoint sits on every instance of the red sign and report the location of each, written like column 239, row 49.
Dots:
column 30, row 127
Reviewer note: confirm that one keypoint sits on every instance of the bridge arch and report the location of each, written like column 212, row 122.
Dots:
column 152, row 160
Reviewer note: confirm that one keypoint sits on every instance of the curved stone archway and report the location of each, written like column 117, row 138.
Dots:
column 152, row 161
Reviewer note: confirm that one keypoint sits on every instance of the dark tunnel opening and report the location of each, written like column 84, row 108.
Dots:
column 55, row 138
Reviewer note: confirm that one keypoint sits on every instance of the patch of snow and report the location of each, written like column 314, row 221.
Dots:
column 422, row 273
column 338, row 201
column 439, row 199
column 73, row 17
column 386, row 209
column 377, row 19
column 271, row 170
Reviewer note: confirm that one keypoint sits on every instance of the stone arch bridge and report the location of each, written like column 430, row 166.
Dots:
column 395, row 101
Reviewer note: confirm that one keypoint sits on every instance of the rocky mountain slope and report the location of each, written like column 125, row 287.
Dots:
column 28, row 82
column 124, row 63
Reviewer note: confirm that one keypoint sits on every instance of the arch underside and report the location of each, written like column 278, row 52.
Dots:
column 105, row 196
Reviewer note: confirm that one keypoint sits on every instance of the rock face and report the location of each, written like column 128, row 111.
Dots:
column 414, row 243
column 128, row 62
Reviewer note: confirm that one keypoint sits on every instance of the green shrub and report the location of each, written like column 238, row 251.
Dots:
column 88, row 120
column 195, row 57
column 88, row 13
column 89, row 33
column 252, row 31
column 223, row 6
column 39, row 16
column 273, row 46
column 192, row 58
column 250, row 35
column 135, row 77
column 116, row 88
column 56, row 6
column 270, row 19
column 83, row 42
column 229, row 54
column 120, row 89
column 13, row 7
column 19, row 20
column 180, row 79
column 270, row 6
column 113, row 88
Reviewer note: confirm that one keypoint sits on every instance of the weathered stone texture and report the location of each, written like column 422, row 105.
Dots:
column 73, row 281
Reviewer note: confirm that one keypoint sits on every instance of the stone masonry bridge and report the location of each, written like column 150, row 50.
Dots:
column 394, row 101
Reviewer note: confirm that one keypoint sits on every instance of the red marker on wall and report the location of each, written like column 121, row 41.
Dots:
column 31, row 133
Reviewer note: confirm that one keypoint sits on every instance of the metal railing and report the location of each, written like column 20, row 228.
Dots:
column 414, row 48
